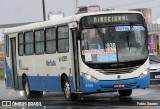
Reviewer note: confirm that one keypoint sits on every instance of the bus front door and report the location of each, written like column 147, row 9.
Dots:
column 14, row 63
column 76, row 75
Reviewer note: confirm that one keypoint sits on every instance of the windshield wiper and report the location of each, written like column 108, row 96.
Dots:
column 129, row 33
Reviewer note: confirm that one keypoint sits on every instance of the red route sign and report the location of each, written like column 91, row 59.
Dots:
column 99, row 51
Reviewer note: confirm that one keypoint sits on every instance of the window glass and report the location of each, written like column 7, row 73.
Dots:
column 50, row 40
column 29, row 43
column 21, row 38
column 29, row 48
column 39, row 47
column 21, row 49
column 63, row 32
column 114, row 44
column 39, row 35
column 39, row 41
column 28, row 37
column 51, row 46
column 21, row 44
column 63, row 45
column 7, row 45
column 50, row 33
column 63, row 41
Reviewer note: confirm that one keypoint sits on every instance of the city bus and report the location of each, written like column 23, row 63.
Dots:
column 81, row 54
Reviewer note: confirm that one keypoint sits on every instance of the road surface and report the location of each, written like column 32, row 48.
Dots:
column 93, row 101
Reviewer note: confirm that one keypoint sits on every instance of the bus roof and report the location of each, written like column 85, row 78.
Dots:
column 50, row 23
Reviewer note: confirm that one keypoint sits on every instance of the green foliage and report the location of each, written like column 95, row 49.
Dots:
column 2, row 73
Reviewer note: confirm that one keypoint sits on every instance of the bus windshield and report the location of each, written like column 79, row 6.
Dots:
column 114, row 44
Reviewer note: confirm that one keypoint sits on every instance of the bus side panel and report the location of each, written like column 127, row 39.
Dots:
column 8, row 74
column 45, row 83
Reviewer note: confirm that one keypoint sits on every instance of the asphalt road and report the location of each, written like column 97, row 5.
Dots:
column 93, row 101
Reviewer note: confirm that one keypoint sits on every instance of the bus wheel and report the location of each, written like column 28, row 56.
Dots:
column 67, row 91
column 27, row 88
column 125, row 92
column 31, row 94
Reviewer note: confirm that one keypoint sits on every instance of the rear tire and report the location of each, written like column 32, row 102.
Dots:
column 28, row 93
column 67, row 91
column 125, row 92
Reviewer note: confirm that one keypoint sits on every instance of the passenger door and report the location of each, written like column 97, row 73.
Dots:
column 14, row 62
column 75, row 62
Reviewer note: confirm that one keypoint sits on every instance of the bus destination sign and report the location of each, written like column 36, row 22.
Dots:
column 104, row 19
column 111, row 18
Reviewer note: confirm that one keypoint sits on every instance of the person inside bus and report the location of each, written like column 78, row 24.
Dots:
column 121, row 43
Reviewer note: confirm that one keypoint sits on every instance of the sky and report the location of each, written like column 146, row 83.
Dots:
column 21, row 11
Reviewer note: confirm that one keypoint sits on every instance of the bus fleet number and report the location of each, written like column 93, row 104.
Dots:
column 89, row 85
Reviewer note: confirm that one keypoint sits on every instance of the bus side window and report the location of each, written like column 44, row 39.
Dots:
column 7, row 45
column 50, row 40
column 29, row 46
column 63, row 39
column 20, row 44
column 39, row 41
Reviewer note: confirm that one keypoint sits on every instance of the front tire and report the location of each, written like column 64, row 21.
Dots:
column 31, row 94
column 67, row 90
column 125, row 92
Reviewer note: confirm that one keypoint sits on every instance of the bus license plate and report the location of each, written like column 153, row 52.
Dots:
column 119, row 85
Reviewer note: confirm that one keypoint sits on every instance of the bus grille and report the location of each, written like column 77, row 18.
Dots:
column 117, row 70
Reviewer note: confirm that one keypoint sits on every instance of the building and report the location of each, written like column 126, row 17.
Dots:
column 86, row 9
column 57, row 15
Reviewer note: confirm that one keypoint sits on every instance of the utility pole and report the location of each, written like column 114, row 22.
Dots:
column 76, row 3
column 44, row 12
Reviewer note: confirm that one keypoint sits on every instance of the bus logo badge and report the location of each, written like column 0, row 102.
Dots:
column 118, row 76
column 50, row 63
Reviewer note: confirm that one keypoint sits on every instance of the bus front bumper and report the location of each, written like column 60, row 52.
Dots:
column 108, row 85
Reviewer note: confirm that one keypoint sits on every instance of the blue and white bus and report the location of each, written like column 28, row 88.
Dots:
column 81, row 54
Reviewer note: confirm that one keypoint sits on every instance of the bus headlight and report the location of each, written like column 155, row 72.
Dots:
column 144, row 73
column 89, row 77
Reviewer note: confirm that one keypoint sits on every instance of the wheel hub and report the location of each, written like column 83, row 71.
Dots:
column 67, row 90
column 26, row 88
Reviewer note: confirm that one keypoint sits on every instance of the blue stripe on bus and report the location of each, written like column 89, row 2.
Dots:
column 6, row 67
column 45, row 83
column 8, row 72
column 107, row 86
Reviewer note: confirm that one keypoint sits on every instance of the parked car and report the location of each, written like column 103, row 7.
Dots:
column 154, row 69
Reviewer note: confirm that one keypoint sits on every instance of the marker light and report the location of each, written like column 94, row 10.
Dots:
column 89, row 77
column 144, row 73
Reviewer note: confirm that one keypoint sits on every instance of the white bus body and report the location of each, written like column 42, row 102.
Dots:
column 29, row 67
